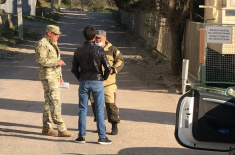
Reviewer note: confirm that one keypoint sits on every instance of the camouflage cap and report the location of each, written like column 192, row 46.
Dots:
column 53, row 29
column 100, row 33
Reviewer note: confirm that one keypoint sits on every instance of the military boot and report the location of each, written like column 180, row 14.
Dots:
column 114, row 129
column 64, row 133
column 49, row 132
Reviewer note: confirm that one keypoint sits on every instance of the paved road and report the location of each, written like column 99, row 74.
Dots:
column 147, row 108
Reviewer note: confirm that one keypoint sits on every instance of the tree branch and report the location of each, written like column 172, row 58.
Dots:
column 185, row 10
column 171, row 11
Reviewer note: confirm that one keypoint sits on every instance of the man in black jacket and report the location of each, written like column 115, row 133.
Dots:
column 87, row 67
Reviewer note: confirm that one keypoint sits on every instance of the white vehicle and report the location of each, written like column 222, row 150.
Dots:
column 206, row 120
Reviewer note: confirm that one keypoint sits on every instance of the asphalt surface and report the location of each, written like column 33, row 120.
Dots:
column 147, row 107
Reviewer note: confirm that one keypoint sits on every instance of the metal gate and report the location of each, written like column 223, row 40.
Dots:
column 219, row 55
column 210, row 49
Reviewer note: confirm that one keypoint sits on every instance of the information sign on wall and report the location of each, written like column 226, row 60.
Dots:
column 219, row 34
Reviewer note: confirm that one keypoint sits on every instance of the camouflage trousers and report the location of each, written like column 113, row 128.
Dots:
column 52, row 106
column 111, row 107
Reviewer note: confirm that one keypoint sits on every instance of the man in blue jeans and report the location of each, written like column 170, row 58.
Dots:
column 87, row 64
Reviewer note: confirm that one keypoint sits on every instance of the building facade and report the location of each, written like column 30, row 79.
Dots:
column 28, row 7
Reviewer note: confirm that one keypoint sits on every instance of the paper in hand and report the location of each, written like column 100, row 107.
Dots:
column 64, row 85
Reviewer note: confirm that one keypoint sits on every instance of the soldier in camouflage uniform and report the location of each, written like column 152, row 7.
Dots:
column 49, row 62
column 116, row 62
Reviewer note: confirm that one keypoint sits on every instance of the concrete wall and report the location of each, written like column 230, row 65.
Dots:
column 28, row 7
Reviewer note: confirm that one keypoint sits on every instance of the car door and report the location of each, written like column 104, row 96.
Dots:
column 206, row 121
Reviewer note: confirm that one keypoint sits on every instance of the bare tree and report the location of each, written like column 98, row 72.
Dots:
column 176, row 19
column 176, row 12
column 20, row 19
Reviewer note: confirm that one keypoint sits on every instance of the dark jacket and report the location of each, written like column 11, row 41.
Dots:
column 88, row 61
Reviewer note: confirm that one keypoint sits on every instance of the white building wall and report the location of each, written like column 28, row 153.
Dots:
column 28, row 7
column 216, row 10
column 7, row 7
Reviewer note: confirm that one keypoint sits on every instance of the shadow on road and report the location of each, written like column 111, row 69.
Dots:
column 72, row 38
column 161, row 151
column 72, row 110
column 28, row 70
column 37, row 138
column 18, row 125
column 25, row 134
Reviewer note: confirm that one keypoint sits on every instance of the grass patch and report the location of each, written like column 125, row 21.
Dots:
column 9, row 37
column 3, row 46
column 46, row 18
column 108, row 10
column 103, row 10
column 30, row 35
column 43, row 3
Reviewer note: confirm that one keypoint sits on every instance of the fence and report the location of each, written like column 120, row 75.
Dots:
column 152, row 28
column 210, row 49
column 191, row 49
column 220, row 55
column 211, row 64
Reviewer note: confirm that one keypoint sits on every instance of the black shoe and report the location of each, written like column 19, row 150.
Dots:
column 114, row 129
column 80, row 140
column 104, row 141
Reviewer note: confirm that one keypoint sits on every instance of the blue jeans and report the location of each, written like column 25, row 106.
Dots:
column 97, row 89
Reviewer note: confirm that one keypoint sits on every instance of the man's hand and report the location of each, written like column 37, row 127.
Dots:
column 60, row 63
column 111, row 71
column 61, row 80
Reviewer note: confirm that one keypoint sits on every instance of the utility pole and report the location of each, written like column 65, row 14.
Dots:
column 20, row 19
column 52, row 6
column 82, row 5
column 59, row 2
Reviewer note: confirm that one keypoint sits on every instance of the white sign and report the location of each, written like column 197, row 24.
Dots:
column 221, row 35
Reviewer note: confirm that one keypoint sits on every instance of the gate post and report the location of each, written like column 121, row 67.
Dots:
column 185, row 75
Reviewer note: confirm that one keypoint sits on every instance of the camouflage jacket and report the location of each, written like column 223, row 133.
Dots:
column 116, row 62
column 47, row 54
